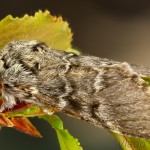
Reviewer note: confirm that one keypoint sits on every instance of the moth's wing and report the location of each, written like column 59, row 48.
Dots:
column 120, row 103
column 125, row 106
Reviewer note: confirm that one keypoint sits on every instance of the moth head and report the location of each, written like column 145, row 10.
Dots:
column 28, row 53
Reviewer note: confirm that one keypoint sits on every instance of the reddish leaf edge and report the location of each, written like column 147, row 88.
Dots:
column 17, row 118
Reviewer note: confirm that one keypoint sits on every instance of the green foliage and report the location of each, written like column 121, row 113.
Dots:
column 147, row 80
column 33, row 110
column 42, row 26
column 67, row 141
column 132, row 143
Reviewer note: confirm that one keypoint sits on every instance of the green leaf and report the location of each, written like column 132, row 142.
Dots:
column 132, row 143
column 42, row 26
column 147, row 80
column 67, row 141
column 31, row 111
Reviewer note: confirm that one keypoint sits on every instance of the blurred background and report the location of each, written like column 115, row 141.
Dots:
column 118, row 30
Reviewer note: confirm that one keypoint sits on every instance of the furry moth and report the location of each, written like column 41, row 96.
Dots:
column 103, row 92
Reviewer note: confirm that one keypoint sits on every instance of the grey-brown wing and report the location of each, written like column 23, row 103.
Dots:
column 126, row 108
column 105, row 93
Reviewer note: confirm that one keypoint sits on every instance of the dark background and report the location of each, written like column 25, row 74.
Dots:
column 114, row 29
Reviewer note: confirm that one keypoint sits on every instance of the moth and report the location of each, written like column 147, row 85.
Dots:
column 103, row 92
